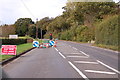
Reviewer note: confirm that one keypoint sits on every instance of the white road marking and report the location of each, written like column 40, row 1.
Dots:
column 79, row 56
column 75, row 53
column 81, row 74
column 103, row 72
column 56, row 49
column 86, row 62
column 75, row 48
column 62, row 55
column 84, row 53
column 109, row 67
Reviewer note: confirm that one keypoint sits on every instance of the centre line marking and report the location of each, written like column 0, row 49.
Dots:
column 103, row 72
column 56, row 49
column 80, row 73
column 62, row 55
column 109, row 67
column 85, row 62
column 84, row 53
column 79, row 56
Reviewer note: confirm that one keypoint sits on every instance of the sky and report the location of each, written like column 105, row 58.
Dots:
column 11, row 10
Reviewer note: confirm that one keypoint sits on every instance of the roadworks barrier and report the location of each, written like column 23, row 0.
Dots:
column 47, row 44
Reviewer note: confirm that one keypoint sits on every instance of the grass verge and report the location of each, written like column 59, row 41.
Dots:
column 115, row 48
column 20, row 48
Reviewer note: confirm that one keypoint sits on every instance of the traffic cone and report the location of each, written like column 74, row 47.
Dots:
column 44, row 46
column 54, row 45
column 47, row 45
column 55, row 42
column 41, row 45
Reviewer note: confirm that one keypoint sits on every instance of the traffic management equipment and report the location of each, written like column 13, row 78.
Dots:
column 8, row 49
column 41, row 45
column 54, row 45
column 51, row 43
column 35, row 44
column 47, row 45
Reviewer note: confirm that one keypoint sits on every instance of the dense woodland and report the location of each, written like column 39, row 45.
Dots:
column 80, row 21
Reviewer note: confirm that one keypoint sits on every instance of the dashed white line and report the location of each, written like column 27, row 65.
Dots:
column 81, row 74
column 62, row 55
column 56, row 49
column 86, row 62
column 103, row 72
column 79, row 56
column 84, row 53
column 109, row 67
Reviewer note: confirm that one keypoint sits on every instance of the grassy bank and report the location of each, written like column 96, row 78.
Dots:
column 20, row 48
column 115, row 48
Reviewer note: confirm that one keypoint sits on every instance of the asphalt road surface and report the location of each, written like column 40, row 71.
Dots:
column 67, row 60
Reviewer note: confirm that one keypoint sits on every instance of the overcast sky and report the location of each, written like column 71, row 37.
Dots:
column 11, row 10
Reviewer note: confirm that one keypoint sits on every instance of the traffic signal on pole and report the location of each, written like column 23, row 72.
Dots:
column 50, row 36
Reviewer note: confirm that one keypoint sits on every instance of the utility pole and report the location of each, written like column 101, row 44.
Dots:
column 36, row 29
column 41, row 33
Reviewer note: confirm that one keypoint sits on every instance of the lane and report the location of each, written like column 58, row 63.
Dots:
column 84, row 62
column 64, row 61
column 40, row 63
column 109, row 57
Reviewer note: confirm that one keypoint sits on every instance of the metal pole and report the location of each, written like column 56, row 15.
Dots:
column 36, row 29
column 41, row 34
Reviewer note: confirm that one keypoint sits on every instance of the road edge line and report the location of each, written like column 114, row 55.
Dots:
column 109, row 67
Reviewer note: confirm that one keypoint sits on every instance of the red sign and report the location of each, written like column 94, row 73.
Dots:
column 8, row 49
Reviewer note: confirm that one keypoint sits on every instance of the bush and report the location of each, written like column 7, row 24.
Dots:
column 107, row 31
column 13, row 41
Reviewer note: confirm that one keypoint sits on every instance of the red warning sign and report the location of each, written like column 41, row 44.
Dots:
column 8, row 49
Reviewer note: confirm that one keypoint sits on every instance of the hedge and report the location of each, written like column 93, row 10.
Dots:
column 13, row 41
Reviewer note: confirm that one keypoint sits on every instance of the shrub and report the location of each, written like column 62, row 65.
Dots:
column 107, row 31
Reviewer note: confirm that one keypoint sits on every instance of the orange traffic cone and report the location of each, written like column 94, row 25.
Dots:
column 47, row 45
column 55, row 42
column 54, row 45
column 41, row 46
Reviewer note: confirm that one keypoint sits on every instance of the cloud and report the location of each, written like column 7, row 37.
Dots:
column 11, row 10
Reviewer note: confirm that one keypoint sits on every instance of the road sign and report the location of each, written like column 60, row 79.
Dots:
column 35, row 44
column 13, row 36
column 8, row 49
column 51, row 43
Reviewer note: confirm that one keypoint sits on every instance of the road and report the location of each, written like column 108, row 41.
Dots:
column 67, row 60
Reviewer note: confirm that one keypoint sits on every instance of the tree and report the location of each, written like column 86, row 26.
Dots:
column 22, row 26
